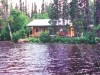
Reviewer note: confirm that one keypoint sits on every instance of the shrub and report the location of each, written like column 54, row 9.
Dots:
column 73, row 40
column 58, row 39
column 5, row 34
column 90, row 37
column 97, row 40
column 44, row 37
column 16, row 36
column 22, row 33
column 32, row 39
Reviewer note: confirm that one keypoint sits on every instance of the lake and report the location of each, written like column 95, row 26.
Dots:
column 49, row 59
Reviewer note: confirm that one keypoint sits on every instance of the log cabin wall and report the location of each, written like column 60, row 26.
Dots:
column 37, row 30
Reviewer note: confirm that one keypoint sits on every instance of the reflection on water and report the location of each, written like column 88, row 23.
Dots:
column 46, row 59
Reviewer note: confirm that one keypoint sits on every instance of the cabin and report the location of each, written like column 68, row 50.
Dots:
column 43, row 25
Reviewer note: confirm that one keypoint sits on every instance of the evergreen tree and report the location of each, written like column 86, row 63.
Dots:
column 43, row 7
column 73, row 10
column 26, row 7
column 28, row 14
column 20, row 5
column 55, row 7
column 11, row 6
column 35, row 8
column 23, row 9
column 54, row 12
column 65, row 11
column 16, row 7
column 4, row 19
column 32, row 11
column 76, row 16
column 4, row 9
column 96, row 12
column 46, row 7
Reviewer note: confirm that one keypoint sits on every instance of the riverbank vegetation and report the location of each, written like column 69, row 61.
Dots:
column 45, row 38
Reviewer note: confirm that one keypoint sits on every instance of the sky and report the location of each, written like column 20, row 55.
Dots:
column 29, row 2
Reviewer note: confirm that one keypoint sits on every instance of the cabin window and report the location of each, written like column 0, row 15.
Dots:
column 36, row 30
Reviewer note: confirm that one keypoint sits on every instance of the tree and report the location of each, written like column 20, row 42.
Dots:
column 97, row 12
column 43, row 7
column 54, row 12
column 73, row 10
column 25, row 7
column 16, row 7
column 92, row 12
column 78, row 16
column 65, row 11
column 32, row 11
column 17, row 20
column 54, row 15
column 4, row 9
column 20, row 4
column 35, row 8
column 3, row 16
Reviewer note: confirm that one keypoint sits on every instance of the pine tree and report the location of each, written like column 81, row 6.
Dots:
column 54, row 12
column 16, row 7
column 23, row 9
column 4, row 9
column 20, row 5
column 97, row 12
column 65, row 11
column 42, row 7
column 32, row 11
column 35, row 8
column 11, row 6
column 28, row 14
column 46, row 7
column 73, row 10
column 26, row 7
column 55, row 7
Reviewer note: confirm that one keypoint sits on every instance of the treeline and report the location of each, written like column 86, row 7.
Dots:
column 13, row 23
column 32, row 11
column 81, row 13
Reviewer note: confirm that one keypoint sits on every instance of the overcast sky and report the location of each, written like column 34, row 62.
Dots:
column 29, row 2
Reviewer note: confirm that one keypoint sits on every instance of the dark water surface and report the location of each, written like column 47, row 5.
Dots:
column 49, row 59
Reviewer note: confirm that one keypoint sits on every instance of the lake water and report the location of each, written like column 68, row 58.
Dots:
column 49, row 59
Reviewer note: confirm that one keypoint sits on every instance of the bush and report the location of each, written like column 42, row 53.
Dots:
column 73, row 40
column 16, row 36
column 44, row 37
column 90, row 37
column 4, row 35
column 33, row 40
column 97, row 40
column 22, row 33
column 58, row 39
